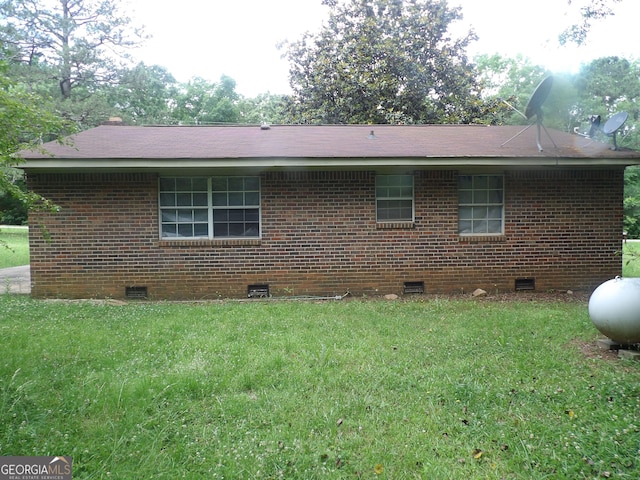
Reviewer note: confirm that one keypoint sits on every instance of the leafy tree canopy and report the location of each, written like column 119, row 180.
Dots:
column 76, row 38
column 590, row 10
column 384, row 61
column 68, row 50
column 25, row 122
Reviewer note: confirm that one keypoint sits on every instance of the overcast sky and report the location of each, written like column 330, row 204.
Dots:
column 209, row 38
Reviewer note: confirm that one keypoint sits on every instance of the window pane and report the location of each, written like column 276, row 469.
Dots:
column 200, row 185
column 479, row 226
column 480, row 204
column 236, row 183
column 200, row 199
column 480, row 196
column 465, row 213
column 464, row 226
column 220, row 230
column 169, row 216
column 190, row 192
column 394, row 192
column 220, row 215
column 183, row 199
column 479, row 213
column 220, row 199
column 236, row 198
column 495, row 182
column 382, row 180
column 396, row 210
column 252, row 215
column 480, row 181
column 236, row 229
column 495, row 212
column 252, row 229
column 167, row 199
column 252, row 183
column 200, row 215
column 169, row 231
column 494, row 226
column 201, row 230
column 406, row 192
column 495, row 196
column 252, row 198
column 219, row 184
column 466, row 196
column 185, row 216
column 465, row 181
column 183, row 184
column 394, row 197
column 236, row 215
column 185, row 230
column 167, row 184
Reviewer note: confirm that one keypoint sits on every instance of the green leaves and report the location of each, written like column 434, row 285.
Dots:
column 25, row 122
column 385, row 61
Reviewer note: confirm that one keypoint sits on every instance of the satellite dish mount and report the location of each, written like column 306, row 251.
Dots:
column 534, row 109
column 612, row 126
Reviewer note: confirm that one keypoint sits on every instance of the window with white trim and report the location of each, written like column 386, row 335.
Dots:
column 210, row 207
column 481, row 204
column 394, row 198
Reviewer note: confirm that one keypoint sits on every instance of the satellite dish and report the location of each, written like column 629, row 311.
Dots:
column 594, row 121
column 539, row 96
column 614, row 124
column 595, row 125
column 534, row 109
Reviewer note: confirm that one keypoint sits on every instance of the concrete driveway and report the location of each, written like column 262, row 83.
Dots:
column 15, row 280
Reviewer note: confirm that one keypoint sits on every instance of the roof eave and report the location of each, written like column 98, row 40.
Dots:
column 159, row 164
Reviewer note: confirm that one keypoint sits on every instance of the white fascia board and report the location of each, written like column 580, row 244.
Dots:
column 95, row 165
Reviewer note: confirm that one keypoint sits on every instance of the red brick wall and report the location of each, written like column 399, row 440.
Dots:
column 319, row 237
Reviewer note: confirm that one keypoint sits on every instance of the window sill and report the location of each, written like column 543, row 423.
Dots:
column 395, row 225
column 200, row 242
column 482, row 238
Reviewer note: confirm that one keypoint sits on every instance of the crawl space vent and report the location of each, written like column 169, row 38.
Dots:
column 413, row 287
column 525, row 284
column 135, row 292
column 257, row 291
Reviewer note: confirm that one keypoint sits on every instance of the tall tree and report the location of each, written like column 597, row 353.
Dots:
column 512, row 81
column 590, row 10
column 76, row 37
column 25, row 122
column 74, row 43
column 200, row 101
column 265, row 108
column 384, row 61
column 144, row 95
column 607, row 86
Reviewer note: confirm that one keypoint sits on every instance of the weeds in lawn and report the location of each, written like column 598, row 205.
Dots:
column 353, row 389
column 631, row 259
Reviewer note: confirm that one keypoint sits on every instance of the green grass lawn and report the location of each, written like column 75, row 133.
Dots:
column 431, row 388
column 14, row 246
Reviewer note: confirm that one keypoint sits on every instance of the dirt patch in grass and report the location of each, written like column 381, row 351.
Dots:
column 591, row 350
column 552, row 297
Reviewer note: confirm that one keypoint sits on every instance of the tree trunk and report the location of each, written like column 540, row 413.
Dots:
column 65, row 34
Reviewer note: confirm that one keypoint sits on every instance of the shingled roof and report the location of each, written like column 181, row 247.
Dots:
column 110, row 146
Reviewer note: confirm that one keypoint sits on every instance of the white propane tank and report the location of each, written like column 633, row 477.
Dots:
column 614, row 308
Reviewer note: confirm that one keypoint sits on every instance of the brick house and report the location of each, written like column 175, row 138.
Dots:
column 231, row 211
